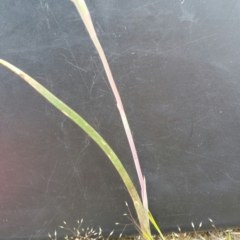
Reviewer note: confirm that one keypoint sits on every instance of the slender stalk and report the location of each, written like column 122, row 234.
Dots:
column 86, row 17
column 93, row 134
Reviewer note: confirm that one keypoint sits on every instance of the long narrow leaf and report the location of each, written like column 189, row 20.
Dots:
column 90, row 131
column 86, row 17
column 152, row 220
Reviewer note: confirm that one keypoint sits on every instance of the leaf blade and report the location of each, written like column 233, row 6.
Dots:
column 70, row 113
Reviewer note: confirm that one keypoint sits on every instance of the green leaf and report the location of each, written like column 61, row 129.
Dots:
column 71, row 114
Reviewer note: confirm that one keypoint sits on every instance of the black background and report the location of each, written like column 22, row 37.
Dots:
column 176, row 66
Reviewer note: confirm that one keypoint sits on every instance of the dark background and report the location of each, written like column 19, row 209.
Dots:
column 177, row 69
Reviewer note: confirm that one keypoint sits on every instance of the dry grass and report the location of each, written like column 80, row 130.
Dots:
column 80, row 233
column 220, row 235
column 213, row 235
column 216, row 235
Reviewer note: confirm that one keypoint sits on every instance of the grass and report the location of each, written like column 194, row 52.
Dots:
column 76, row 118
column 141, row 205
column 143, row 216
column 80, row 233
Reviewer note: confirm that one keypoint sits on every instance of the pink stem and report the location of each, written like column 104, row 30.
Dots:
column 89, row 25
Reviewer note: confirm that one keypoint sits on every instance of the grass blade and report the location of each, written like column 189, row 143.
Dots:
column 91, row 132
column 152, row 220
column 86, row 17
